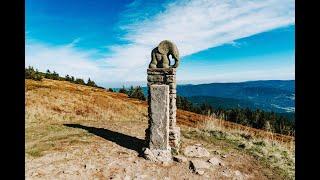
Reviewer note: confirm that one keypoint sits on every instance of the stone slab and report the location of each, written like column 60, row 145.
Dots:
column 155, row 78
column 157, row 155
column 199, row 166
column 159, row 122
column 196, row 151
column 180, row 159
column 169, row 71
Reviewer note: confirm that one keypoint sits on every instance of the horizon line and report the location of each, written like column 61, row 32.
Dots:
column 203, row 82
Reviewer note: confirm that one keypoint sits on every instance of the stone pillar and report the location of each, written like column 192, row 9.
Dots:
column 166, row 77
column 159, row 116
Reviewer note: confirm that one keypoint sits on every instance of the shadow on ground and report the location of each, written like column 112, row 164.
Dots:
column 123, row 140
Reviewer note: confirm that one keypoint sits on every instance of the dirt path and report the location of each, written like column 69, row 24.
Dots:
column 111, row 151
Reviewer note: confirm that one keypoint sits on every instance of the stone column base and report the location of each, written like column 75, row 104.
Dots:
column 174, row 138
column 157, row 155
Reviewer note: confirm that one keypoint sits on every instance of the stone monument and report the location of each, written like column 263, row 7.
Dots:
column 162, row 134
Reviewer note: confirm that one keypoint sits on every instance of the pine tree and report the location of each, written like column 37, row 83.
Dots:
column 123, row 90
column 30, row 73
column 68, row 78
column 139, row 93
column 130, row 91
column 37, row 75
column 91, row 83
column 136, row 92
column 80, row 81
column 55, row 76
column 48, row 74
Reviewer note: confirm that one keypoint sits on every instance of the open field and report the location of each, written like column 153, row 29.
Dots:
column 77, row 131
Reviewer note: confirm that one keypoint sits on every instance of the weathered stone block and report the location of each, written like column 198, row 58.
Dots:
column 174, row 133
column 155, row 78
column 172, row 102
column 173, row 121
column 172, row 85
column 173, row 111
column 173, row 96
column 159, row 127
column 170, row 79
column 180, row 158
column 175, row 144
column 157, row 155
column 173, row 91
column 169, row 71
column 196, row 151
column 199, row 166
column 154, row 82
column 174, row 137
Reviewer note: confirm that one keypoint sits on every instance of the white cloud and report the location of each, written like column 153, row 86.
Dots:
column 64, row 59
column 194, row 25
column 283, row 73
column 197, row 25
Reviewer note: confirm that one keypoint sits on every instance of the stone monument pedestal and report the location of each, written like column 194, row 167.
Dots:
column 162, row 135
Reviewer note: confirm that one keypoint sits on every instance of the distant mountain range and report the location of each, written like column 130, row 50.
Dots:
column 269, row 95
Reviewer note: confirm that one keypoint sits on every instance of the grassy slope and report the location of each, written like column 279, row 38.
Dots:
column 52, row 104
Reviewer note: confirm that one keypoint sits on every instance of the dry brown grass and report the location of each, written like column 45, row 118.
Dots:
column 222, row 125
column 201, row 121
column 50, row 104
column 73, row 103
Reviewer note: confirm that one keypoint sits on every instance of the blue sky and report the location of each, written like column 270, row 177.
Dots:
column 110, row 41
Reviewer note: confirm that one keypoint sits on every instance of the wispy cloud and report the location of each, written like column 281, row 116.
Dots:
column 68, row 59
column 74, row 42
column 64, row 59
column 194, row 25
column 283, row 73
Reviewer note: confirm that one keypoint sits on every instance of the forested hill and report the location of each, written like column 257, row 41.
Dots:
column 270, row 95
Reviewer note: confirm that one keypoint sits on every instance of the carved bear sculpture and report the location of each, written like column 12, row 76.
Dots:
column 160, row 55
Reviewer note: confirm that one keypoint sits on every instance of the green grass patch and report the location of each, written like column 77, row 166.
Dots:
column 34, row 152
column 260, row 143
column 269, row 155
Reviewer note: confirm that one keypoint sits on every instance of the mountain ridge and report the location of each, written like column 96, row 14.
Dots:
column 268, row 95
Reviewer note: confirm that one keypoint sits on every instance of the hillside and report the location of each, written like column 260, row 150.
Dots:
column 272, row 95
column 77, row 131
column 230, row 103
column 225, row 103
